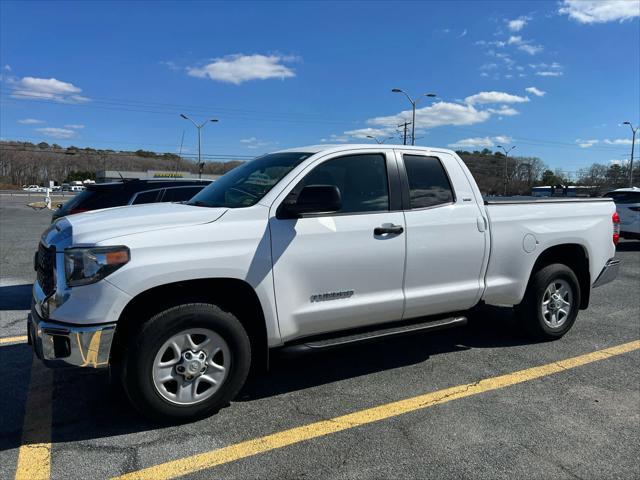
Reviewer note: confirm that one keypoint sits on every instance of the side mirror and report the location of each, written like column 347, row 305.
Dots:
column 312, row 199
column 59, row 205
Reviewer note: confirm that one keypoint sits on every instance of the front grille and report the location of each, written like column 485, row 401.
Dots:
column 45, row 268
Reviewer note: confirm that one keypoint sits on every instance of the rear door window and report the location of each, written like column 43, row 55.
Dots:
column 624, row 197
column 95, row 199
column 180, row 194
column 428, row 182
column 150, row 196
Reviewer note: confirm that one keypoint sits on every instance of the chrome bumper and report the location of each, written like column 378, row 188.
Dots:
column 58, row 344
column 608, row 273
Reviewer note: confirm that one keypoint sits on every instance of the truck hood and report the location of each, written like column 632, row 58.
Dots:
column 99, row 225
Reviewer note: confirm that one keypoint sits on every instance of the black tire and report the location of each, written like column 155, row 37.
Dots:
column 137, row 365
column 530, row 311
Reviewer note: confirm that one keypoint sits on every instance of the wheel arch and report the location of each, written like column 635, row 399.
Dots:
column 574, row 256
column 231, row 294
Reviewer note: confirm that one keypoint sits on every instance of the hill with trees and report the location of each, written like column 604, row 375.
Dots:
column 23, row 163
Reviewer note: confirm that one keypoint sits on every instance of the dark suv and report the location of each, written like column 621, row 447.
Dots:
column 129, row 192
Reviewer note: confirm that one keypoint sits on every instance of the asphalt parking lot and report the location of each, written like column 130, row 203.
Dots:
column 573, row 418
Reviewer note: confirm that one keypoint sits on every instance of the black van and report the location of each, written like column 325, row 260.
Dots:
column 129, row 192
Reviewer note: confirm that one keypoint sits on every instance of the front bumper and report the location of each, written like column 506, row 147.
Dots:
column 608, row 273
column 59, row 344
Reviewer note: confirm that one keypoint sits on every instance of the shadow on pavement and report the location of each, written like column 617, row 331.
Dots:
column 86, row 407
column 15, row 297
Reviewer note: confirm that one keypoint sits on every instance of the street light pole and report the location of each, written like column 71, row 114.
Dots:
column 633, row 143
column 379, row 141
column 506, row 157
column 199, row 127
column 413, row 105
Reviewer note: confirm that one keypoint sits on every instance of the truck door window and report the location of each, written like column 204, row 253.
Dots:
column 362, row 180
column 428, row 182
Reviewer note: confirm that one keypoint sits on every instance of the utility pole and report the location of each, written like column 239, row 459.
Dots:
column 506, row 158
column 199, row 127
column 179, row 155
column 633, row 143
column 413, row 105
column 404, row 125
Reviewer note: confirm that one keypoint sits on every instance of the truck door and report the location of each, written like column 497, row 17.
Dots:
column 337, row 271
column 446, row 235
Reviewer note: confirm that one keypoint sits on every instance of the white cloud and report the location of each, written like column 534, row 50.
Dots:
column 504, row 110
column 502, row 139
column 46, row 89
column 517, row 24
column 535, row 91
column 364, row 132
column 618, row 162
column 54, row 132
column 169, row 64
column 438, row 114
column 75, row 126
column 240, row 68
column 480, row 142
column 530, row 49
column 494, row 97
column 600, row 11
column 335, row 139
column 524, row 45
column 253, row 142
column 547, row 69
column 488, row 66
column 7, row 67
column 620, row 141
column 463, row 34
column 30, row 121
column 586, row 143
column 547, row 73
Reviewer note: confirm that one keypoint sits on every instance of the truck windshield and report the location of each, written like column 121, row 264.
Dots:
column 247, row 184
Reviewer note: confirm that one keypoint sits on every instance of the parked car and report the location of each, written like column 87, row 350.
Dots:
column 628, row 206
column 130, row 192
column 304, row 250
column 34, row 188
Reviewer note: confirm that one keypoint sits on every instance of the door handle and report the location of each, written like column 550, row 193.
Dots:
column 390, row 229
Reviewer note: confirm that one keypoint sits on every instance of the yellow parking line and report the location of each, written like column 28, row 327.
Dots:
column 292, row 436
column 10, row 340
column 34, row 456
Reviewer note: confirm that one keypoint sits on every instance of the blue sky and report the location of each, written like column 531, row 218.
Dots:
column 554, row 78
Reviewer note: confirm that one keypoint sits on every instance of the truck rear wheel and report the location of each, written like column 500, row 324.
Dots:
column 186, row 363
column 551, row 302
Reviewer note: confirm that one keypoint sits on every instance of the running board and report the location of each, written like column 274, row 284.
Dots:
column 309, row 345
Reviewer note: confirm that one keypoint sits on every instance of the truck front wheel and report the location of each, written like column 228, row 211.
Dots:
column 186, row 363
column 551, row 302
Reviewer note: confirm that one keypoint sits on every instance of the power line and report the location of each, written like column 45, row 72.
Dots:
column 175, row 109
column 287, row 118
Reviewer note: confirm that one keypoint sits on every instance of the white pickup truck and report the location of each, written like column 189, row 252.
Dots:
column 304, row 249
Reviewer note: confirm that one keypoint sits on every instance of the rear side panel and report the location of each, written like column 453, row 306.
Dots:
column 520, row 232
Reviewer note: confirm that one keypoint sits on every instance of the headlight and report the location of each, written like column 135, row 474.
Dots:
column 83, row 266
